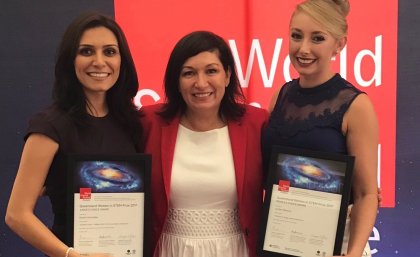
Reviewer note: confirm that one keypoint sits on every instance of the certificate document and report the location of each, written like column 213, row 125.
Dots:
column 109, row 200
column 306, row 203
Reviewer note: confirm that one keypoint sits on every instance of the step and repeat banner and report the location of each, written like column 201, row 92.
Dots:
column 257, row 32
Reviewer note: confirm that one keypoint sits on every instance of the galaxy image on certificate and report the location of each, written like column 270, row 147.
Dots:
column 109, row 177
column 310, row 173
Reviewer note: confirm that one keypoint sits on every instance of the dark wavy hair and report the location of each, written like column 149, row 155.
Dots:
column 190, row 45
column 68, row 92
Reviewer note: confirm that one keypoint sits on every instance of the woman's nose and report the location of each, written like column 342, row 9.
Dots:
column 99, row 60
column 202, row 80
column 305, row 47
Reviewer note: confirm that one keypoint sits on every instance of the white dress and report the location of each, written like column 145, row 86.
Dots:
column 203, row 219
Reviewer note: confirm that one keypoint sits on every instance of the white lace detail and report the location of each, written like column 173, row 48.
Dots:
column 208, row 223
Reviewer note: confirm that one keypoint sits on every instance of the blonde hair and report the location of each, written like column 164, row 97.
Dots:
column 331, row 14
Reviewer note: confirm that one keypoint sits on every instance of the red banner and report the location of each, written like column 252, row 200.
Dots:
column 257, row 32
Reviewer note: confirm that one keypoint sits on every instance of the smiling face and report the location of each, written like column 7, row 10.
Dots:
column 97, row 63
column 202, row 82
column 311, row 48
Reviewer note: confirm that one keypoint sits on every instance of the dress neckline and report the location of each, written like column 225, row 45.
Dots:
column 202, row 132
column 319, row 88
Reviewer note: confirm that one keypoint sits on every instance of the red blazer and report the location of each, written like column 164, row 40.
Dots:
column 159, row 140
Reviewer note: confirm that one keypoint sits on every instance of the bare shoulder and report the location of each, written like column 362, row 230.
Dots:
column 361, row 107
column 361, row 114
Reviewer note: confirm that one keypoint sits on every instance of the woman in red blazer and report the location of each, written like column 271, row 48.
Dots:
column 207, row 179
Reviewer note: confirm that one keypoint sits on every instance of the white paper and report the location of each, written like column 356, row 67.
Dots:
column 109, row 223
column 302, row 222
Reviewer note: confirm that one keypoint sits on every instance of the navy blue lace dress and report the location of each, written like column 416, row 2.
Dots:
column 310, row 118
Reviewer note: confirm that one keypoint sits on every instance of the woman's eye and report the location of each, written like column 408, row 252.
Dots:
column 296, row 36
column 318, row 39
column 85, row 51
column 186, row 73
column 212, row 71
column 110, row 52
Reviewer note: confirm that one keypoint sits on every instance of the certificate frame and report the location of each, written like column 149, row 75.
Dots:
column 291, row 197
column 122, row 189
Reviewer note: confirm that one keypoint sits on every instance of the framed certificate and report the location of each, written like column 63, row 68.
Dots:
column 109, row 203
column 305, row 206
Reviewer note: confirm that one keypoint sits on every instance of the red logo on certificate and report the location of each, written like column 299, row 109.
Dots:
column 85, row 193
column 284, row 185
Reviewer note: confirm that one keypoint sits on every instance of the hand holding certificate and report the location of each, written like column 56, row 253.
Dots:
column 306, row 203
column 109, row 196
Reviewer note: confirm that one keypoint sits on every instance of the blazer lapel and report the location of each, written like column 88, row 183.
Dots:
column 238, row 135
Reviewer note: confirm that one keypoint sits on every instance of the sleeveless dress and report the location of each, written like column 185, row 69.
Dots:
column 310, row 118
column 203, row 218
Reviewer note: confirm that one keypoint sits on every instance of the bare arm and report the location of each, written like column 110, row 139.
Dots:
column 361, row 127
column 37, row 156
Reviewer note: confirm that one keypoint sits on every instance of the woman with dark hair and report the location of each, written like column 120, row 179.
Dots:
column 205, row 142
column 190, row 46
column 93, row 113
column 68, row 89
